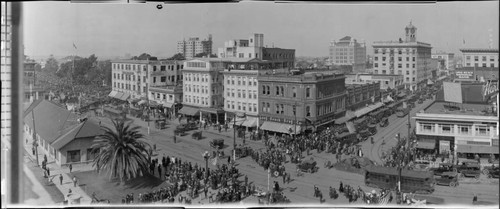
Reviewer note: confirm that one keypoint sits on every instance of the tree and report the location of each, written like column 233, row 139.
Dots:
column 121, row 152
column 81, row 70
column 204, row 54
column 51, row 64
column 143, row 56
column 177, row 56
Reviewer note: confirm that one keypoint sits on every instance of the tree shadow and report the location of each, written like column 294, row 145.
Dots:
column 146, row 181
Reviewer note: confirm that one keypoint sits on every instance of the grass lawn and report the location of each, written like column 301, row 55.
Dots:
column 113, row 190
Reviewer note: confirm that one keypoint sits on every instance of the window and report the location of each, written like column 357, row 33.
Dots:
column 244, row 107
column 482, row 130
column 413, row 58
column 268, row 90
column 427, row 127
column 383, row 58
column 308, row 92
column 400, row 58
column 412, row 65
column 476, row 58
column 464, row 130
column 407, row 65
column 308, row 111
column 400, row 65
column 277, row 109
column 228, row 92
column 282, row 90
column 413, row 79
column 263, row 89
column 73, row 156
column 239, row 93
column 375, row 65
column 277, row 90
column 376, row 58
column 282, row 109
column 484, row 58
column 243, row 81
column 407, row 72
column 467, row 58
column 407, row 59
column 244, row 94
column 294, row 92
column 163, row 79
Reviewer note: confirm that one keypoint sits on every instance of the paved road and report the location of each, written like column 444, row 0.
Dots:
column 300, row 190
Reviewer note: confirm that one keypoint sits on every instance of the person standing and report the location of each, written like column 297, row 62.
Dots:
column 70, row 167
column 48, row 171
column 60, row 178
column 74, row 181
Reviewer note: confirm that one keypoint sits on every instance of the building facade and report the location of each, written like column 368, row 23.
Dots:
column 203, row 89
column 449, row 59
column 279, row 58
column 476, row 74
column 193, row 46
column 480, row 57
column 460, row 133
column 387, row 81
column 130, row 79
column 347, row 51
column 295, row 103
column 32, row 91
column 6, row 69
column 408, row 58
column 361, row 95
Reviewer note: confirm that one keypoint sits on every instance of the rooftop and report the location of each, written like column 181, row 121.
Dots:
column 131, row 61
column 398, row 43
column 484, row 50
column 461, row 109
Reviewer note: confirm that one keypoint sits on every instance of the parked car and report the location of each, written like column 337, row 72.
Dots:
column 384, row 122
column 488, row 169
column 308, row 166
column 448, row 179
column 493, row 172
column 217, row 143
column 443, row 167
column 197, row 135
column 422, row 165
column 469, row 170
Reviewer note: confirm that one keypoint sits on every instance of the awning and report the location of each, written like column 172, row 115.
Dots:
column 111, row 94
column 401, row 94
column 141, row 102
column 189, row 111
column 279, row 127
column 125, row 96
column 368, row 109
column 168, row 104
column 211, row 110
column 350, row 127
column 250, row 122
column 118, row 95
column 462, row 148
column 343, row 119
column 238, row 122
column 426, row 144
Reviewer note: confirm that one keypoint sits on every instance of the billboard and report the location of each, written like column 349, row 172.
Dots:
column 452, row 92
column 464, row 74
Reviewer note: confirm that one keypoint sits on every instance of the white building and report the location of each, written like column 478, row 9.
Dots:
column 461, row 132
column 130, row 79
column 449, row 59
column 408, row 58
column 194, row 46
column 386, row 81
column 243, row 48
column 479, row 57
column 347, row 51
column 203, row 89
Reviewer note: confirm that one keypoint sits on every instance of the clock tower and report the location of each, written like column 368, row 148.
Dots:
column 411, row 33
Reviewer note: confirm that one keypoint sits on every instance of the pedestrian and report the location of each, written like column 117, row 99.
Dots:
column 284, row 177
column 474, row 199
column 74, row 181
column 70, row 167
column 33, row 150
column 205, row 190
column 154, row 147
column 60, row 178
column 229, row 159
column 48, row 171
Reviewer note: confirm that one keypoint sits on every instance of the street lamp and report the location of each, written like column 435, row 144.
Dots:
column 206, row 156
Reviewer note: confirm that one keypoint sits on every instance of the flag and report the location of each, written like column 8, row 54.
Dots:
column 74, row 45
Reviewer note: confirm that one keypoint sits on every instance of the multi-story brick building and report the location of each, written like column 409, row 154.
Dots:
column 480, row 57
column 32, row 91
column 347, row 51
column 361, row 95
column 408, row 58
column 295, row 103
column 193, row 46
column 203, row 89
column 130, row 79
column 449, row 59
column 166, row 85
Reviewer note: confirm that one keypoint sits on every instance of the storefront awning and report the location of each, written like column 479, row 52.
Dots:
column 343, row 119
column 118, row 95
column 279, row 127
column 462, row 148
column 426, row 145
column 112, row 94
column 350, row 127
column 142, row 102
column 168, row 104
column 211, row 110
column 368, row 109
column 125, row 96
column 239, row 122
column 189, row 111
column 250, row 122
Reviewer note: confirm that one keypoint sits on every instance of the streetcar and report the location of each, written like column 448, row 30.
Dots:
column 411, row 181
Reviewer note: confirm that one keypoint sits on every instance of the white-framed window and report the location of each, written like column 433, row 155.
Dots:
column 427, row 127
column 446, row 129
column 482, row 130
column 464, row 130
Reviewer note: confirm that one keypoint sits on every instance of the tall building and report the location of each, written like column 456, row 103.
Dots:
column 165, row 85
column 253, row 47
column 409, row 58
column 449, row 59
column 32, row 91
column 297, row 103
column 203, row 89
column 347, row 51
column 480, row 57
column 6, row 70
column 193, row 46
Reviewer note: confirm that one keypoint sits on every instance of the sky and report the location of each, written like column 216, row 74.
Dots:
column 110, row 30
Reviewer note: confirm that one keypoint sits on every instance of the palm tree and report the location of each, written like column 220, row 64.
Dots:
column 121, row 152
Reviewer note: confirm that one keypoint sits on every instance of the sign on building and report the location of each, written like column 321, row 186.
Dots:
column 452, row 92
column 444, row 146
column 464, row 74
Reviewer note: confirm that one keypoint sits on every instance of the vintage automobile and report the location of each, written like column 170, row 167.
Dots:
column 469, row 170
column 160, row 124
column 443, row 167
column 372, row 128
column 488, row 169
column 364, row 134
column 217, row 143
column 421, row 165
column 402, row 112
column 308, row 166
column 448, row 179
column 242, row 152
column 384, row 122
column 494, row 172
column 420, row 101
column 197, row 135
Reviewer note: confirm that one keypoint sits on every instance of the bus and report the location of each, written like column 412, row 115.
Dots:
column 411, row 181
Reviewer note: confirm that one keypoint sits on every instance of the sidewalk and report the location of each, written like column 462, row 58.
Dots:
column 55, row 171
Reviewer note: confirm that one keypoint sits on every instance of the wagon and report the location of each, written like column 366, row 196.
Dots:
column 160, row 124
column 197, row 135
column 309, row 166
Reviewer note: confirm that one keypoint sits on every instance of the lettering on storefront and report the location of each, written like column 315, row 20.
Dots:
column 490, row 87
column 464, row 74
column 279, row 120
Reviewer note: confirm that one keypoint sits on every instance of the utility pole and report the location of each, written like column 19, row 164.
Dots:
column 35, row 141
column 234, row 136
column 295, row 121
column 409, row 130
